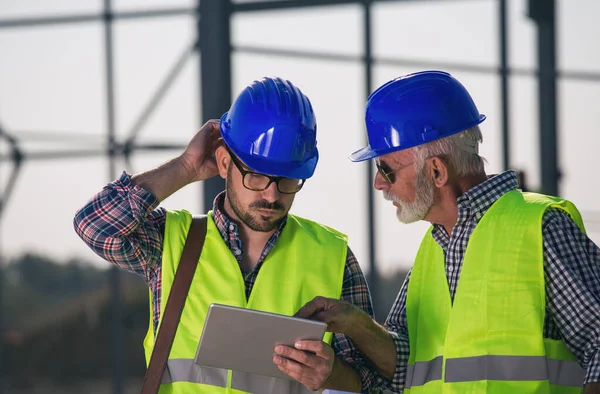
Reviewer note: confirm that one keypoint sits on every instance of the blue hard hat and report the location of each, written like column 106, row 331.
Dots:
column 272, row 128
column 415, row 109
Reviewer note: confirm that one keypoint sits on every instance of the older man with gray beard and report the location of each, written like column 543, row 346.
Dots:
column 504, row 294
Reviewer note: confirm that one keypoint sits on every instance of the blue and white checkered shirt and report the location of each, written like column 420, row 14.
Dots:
column 571, row 267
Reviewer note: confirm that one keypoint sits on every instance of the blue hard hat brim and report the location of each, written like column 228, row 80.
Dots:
column 363, row 154
column 287, row 170
column 367, row 152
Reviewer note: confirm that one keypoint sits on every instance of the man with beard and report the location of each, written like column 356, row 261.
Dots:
column 504, row 294
column 256, row 255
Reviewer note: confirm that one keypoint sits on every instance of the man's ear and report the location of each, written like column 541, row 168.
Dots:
column 223, row 160
column 438, row 170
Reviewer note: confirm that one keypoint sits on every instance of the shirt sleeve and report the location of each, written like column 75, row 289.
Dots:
column 572, row 270
column 123, row 225
column 397, row 326
column 355, row 291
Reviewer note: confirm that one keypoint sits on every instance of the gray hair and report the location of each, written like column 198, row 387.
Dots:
column 460, row 150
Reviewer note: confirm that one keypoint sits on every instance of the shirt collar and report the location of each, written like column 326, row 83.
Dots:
column 480, row 198
column 475, row 202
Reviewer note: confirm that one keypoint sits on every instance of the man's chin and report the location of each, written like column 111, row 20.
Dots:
column 406, row 219
column 266, row 223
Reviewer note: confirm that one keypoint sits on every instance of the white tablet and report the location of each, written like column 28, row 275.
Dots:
column 244, row 339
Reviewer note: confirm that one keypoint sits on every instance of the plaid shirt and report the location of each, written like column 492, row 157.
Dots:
column 124, row 225
column 571, row 267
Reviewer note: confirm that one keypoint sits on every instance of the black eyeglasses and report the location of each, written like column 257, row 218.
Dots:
column 387, row 175
column 258, row 182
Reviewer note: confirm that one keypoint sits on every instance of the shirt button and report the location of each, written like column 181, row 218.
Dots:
column 451, row 268
column 237, row 252
column 231, row 227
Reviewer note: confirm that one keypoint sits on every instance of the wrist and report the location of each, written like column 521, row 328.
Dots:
column 164, row 180
column 186, row 165
column 343, row 377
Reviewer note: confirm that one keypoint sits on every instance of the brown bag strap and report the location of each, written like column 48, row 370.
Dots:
column 175, row 303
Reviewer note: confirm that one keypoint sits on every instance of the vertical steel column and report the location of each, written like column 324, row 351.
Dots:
column 117, row 329
column 373, row 274
column 504, row 92
column 17, row 159
column 543, row 12
column 215, row 72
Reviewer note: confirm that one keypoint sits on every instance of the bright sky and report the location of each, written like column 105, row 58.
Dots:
column 52, row 79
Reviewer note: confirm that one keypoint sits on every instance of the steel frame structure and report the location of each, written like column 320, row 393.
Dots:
column 213, row 41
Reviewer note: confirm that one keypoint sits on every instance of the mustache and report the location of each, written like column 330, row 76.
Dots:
column 389, row 196
column 276, row 206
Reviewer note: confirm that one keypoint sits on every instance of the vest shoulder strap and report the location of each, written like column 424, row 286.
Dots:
column 172, row 313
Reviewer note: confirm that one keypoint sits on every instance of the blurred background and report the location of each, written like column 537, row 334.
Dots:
column 91, row 88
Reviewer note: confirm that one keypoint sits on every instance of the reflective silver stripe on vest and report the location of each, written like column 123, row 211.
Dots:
column 565, row 373
column 186, row 370
column 263, row 384
column 424, row 371
column 515, row 368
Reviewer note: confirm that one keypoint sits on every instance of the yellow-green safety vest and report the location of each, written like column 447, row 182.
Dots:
column 490, row 340
column 307, row 260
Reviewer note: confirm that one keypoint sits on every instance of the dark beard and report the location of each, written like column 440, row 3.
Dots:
column 266, row 225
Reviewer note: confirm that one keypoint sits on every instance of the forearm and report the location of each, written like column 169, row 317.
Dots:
column 355, row 291
column 572, row 269
column 376, row 344
column 165, row 179
column 343, row 378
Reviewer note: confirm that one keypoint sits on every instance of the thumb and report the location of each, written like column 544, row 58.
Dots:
column 307, row 310
column 326, row 317
column 316, row 305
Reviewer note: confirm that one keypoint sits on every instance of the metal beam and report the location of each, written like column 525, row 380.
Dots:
column 117, row 328
column 54, row 20
column 544, row 15
column 70, row 137
column 314, row 55
column 339, row 57
column 287, row 4
column 296, row 4
column 420, row 63
column 368, row 69
column 3, row 198
column 589, row 76
column 215, row 72
column 10, row 185
column 16, row 157
column 579, row 75
column 160, row 92
column 504, row 92
column 57, row 155
column 61, row 154
column 68, row 19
